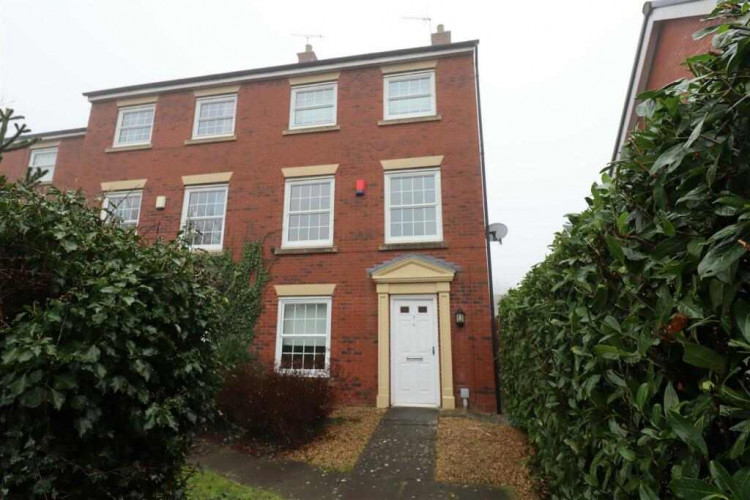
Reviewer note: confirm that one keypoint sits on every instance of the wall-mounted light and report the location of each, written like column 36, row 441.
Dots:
column 460, row 318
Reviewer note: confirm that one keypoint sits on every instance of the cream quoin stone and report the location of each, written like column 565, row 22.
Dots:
column 304, row 290
column 124, row 185
column 217, row 178
column 311, row 171
column 418, row 162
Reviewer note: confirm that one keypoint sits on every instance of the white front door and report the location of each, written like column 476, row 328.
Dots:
column 414, row 351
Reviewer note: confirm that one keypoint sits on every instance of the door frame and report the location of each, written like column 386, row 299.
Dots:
column 432, row 298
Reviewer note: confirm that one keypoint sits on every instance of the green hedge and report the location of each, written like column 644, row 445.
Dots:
column 626, row 353
column 107, row 368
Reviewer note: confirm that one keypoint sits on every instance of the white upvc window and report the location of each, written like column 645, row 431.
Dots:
column 123, row 208
column 413, row 207
column 214, row 116
column 43, row 159
column 303, row 340
column 308, row 212
column 409, row 95
column 313, row 105
column 134, row 125
column 203, row 216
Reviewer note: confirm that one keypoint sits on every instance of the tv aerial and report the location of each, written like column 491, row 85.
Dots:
column 427, row 20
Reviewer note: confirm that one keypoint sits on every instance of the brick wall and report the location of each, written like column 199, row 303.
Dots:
column 256, row 193
column 674, row 45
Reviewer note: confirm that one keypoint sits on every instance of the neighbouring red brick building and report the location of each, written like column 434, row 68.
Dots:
column 362, row 175
column 665, row 42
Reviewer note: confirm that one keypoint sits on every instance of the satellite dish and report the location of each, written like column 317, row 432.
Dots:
column 497, row 232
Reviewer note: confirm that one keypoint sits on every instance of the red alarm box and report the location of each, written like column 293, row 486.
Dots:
column 360, row 187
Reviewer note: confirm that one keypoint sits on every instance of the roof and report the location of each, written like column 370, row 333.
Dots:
column 284, row 70
column 57, row 134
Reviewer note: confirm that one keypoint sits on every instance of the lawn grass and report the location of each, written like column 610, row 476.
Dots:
column 207, row 485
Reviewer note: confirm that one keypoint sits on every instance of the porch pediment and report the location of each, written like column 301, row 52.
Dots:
column 413, row 269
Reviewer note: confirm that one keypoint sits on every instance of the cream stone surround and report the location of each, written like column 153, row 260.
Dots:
column 411, row 66
column 232, row 89
column 317, row 78
column 137, row 101
column 417, row 162
column 217, row 178
column 408, row 277
column 127, row 185
column 304, row 290
column 310, row 171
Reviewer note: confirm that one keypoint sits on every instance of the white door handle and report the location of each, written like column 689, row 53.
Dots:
column 414, row 358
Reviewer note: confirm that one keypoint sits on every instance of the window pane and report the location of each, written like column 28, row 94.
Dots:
column 309, row 212
column 124, row 209
column 215, row 117
column 303, row 336
column 410, row 105
column 43, row 159
column 313, row 116
column 205, row 217
column 136, row 126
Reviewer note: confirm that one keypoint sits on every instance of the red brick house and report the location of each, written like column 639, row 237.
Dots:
column 666, row 40
column 362, row 175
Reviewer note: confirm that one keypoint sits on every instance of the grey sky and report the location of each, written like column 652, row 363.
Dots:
column 553, row 76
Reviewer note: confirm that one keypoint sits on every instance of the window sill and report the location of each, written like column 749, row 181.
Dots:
column 304, row 251
column 417, row 119
column 118, row 149
column 208, row 140
column 422, row 245
column 311, row 130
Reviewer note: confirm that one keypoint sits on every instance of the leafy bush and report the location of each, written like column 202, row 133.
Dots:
column 286, row 407
column 106, row 364
column 240, row 285
column 626, row 353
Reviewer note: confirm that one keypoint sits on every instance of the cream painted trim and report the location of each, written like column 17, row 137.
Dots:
column 43, row 145
column 123, row 185
column 414, row 272
column 419, row 162
column 448, row 400
column 413, row 288
column 136, row 101
column 310, row 171
column 319, row 78
column 217, row 178
column 383, row 399
column 412, row 66
column 231, row 89
column 304, row 290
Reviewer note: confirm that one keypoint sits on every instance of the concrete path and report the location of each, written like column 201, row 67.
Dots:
column 398, row 463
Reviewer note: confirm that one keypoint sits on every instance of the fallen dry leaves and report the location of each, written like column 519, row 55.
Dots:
column 343, row 440
column 473, row 451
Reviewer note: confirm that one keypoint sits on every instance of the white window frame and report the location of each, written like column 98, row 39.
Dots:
column 116, row 194
column 408, row 76
column 121, row 114
column 438, row 206
column 314, row 86
column 200, row 101
column 185, row 205
column 50, row 171
column 283, row 301
column 285, row 243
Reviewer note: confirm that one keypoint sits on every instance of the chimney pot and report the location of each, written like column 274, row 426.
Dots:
column 441, row 37
column 308, row 55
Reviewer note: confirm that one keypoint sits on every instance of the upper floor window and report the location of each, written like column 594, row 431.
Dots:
column 134, row 125
column 43, row 159
column 413, row 208
column 203, row 214
column 304, row 334
column 308, row 212
column 123, row 208
column 409, row 95
column 214, row 116
column 313, row 106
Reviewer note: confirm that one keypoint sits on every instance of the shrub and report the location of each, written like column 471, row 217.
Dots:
column 240, row 285
column 626, row 353
column 285, row 407
column 106, row 364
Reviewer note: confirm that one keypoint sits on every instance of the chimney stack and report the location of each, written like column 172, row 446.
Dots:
column 442, row 37
column 309, row 56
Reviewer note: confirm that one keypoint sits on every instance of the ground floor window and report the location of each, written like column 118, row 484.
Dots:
column 304, row 334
